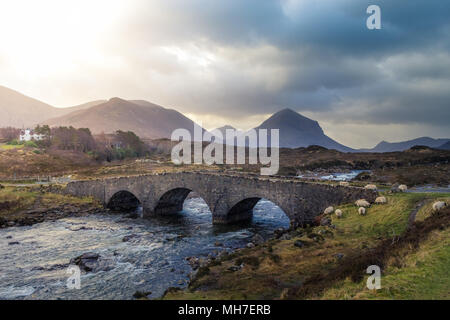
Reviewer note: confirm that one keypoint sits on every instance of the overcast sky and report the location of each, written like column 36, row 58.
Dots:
column 237, row 61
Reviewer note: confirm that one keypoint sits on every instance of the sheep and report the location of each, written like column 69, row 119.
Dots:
column 381, row 200
column 344, row 184
column 402, row 188
column 362, row 203
column 328, row 210
column 362, row 211
column 338, row 213
column 371, row 187
column 439, row 205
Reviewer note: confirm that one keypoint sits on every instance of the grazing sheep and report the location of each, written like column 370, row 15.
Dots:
column 344, row 184
column 371, row 187
column 381, row 200
column 328, row 210
column 338, row 213
column 362, row 203
column 362, row 211
column 402, row 188
column 439, row 205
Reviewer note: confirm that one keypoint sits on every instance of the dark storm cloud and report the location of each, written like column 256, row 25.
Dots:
column 323, row 58
column 335, row 25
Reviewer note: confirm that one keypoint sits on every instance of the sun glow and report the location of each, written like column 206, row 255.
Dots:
column 41, row 38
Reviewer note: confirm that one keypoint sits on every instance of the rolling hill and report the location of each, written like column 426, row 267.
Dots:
column 146, row 119
column 20, row 111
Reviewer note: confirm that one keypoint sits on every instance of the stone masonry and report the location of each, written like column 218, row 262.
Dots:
column 230, row 198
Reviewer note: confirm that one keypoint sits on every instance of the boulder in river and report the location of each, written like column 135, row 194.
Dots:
column 141, row 295
column 194, row 262
column 92, row 262
column 129, row 237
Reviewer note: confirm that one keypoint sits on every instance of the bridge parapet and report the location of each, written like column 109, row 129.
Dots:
column 230, row 198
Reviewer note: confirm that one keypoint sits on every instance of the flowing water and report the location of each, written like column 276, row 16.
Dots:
column 34, row 259
column 333, row 176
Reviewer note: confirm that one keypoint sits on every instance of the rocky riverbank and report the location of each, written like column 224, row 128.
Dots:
column 24, row 206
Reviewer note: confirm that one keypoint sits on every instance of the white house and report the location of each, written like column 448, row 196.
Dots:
column 28, row 135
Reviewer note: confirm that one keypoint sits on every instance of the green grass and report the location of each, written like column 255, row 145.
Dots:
column 424, row 274
column 427, row 209
column 49, row 199
column 4, row 146
column 23, row 198
column 418, row 277
column 18, row 198
column 380, row 220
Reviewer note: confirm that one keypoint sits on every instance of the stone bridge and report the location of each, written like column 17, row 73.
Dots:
column 230, row 198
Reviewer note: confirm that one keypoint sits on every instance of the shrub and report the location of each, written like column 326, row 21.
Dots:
column 14, row 142
column 31, row 144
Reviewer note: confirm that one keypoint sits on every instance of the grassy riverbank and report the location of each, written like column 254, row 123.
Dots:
column 330, row 263
column 29, row 205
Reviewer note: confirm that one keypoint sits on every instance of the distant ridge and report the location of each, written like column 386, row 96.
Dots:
column 146, row 119
column 384, row 146
column 152, row 121
column 445, row 146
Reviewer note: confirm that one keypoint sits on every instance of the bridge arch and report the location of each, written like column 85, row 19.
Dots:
column 123, row 201
column 171, row 201
column 242, row 210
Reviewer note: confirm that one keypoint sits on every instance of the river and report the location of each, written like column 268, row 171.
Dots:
column 34, row 259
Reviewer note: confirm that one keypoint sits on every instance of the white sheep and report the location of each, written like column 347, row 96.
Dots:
column 402, row 188
column 362, row 203
column 362, row 211
column 371, row 187
column 439, row 205
column 344, row 184
column 338, row 213
column 381, row 200
column 328, row 210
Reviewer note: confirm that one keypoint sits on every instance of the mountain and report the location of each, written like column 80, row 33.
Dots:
column 146, row 119
column 19, row 110
column 384, row 146
column 83, row 106
column 445, row 146
column 299, row 131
